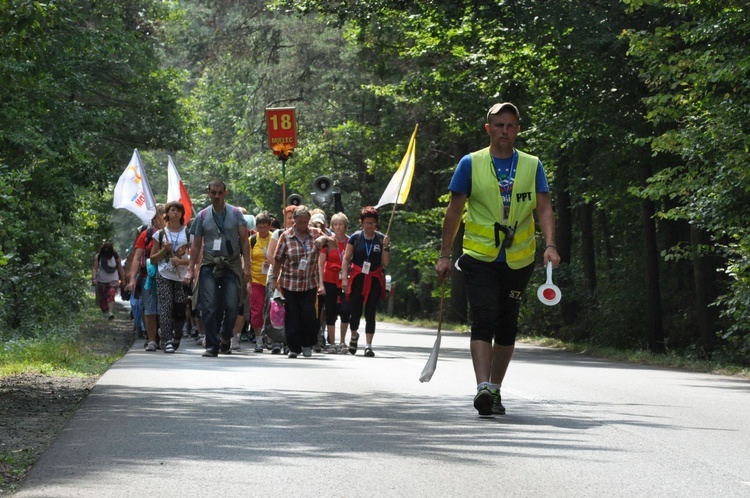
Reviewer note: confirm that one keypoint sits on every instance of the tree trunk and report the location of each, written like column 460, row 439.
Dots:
column 606, row 237
column 704, row 272
column 564, row 238
column 654, row 328
column 680, row 276
column 588, row 254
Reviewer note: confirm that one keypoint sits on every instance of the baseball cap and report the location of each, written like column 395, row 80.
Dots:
column 503, row 106
column 318, row 218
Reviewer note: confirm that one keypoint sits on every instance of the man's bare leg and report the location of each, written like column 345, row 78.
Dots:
column 501, row 356
column 481, row 357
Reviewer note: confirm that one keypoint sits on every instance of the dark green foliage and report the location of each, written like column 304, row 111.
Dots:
column 638, row 110
column 697, row 68
column 587, row 103
column 81, row 88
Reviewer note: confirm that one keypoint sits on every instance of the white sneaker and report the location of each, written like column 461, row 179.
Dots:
column 235, row 343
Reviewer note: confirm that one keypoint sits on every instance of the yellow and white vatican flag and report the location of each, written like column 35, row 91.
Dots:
column 398, row 189
column 133, row 191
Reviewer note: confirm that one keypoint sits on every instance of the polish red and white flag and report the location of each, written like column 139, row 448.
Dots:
column 176, row 190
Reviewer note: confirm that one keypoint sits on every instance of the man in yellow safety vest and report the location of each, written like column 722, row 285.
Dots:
column 500, row 187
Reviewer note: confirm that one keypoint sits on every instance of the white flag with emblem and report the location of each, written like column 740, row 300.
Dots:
column 133, row 191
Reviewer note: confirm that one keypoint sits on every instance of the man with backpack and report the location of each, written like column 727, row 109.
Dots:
column 221, row 238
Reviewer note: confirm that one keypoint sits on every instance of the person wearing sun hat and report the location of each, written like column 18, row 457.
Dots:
column 501, row 188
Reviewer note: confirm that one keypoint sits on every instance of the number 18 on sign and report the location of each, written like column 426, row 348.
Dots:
column 282, row 131
column 282, row 138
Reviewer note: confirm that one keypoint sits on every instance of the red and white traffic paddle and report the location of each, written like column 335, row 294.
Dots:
column 549, row 293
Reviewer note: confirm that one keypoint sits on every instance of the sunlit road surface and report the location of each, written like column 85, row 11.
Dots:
column 264, row 425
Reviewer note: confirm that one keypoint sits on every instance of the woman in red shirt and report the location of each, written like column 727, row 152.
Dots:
column 329, row 268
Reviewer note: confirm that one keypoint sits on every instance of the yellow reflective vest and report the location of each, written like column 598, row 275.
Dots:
column 482, row 238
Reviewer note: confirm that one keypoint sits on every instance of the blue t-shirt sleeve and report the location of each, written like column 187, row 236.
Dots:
column 461, row 181
column 541, row 179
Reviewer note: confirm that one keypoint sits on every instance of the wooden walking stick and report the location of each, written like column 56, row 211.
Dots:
column 429, row 368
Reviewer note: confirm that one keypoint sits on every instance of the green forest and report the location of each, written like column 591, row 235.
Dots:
column 639, row 110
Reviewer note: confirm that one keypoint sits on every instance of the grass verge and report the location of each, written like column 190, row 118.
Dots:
column 62, row 350
column 672, row 359
column 44, row 375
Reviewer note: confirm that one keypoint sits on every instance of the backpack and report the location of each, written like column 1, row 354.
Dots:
column 204, row 212
column 149, row 237
column 104, row 263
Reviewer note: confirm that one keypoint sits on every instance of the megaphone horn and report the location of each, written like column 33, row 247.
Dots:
column 322, row 194
column 322, row 185
column 295, row 200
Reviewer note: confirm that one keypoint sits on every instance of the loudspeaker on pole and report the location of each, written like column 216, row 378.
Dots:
column 295, row 200
column 338, row 205
column 322, row 194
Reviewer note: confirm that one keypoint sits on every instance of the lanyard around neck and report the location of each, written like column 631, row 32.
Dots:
column 219, row 225
column 511, row 171
column 176, row 239
column 338, row 247
column 304, row 243
column 368, row 248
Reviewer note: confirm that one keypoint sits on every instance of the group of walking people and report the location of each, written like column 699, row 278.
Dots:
column 215, row 276
column 311, row 261
column 321, row 274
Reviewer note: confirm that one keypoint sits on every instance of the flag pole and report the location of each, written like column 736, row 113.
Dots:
column 283, row 186
column 401, row 183
column 146, row 184
column 393, row 211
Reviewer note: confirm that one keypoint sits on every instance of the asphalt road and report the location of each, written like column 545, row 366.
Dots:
column 264, row 425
